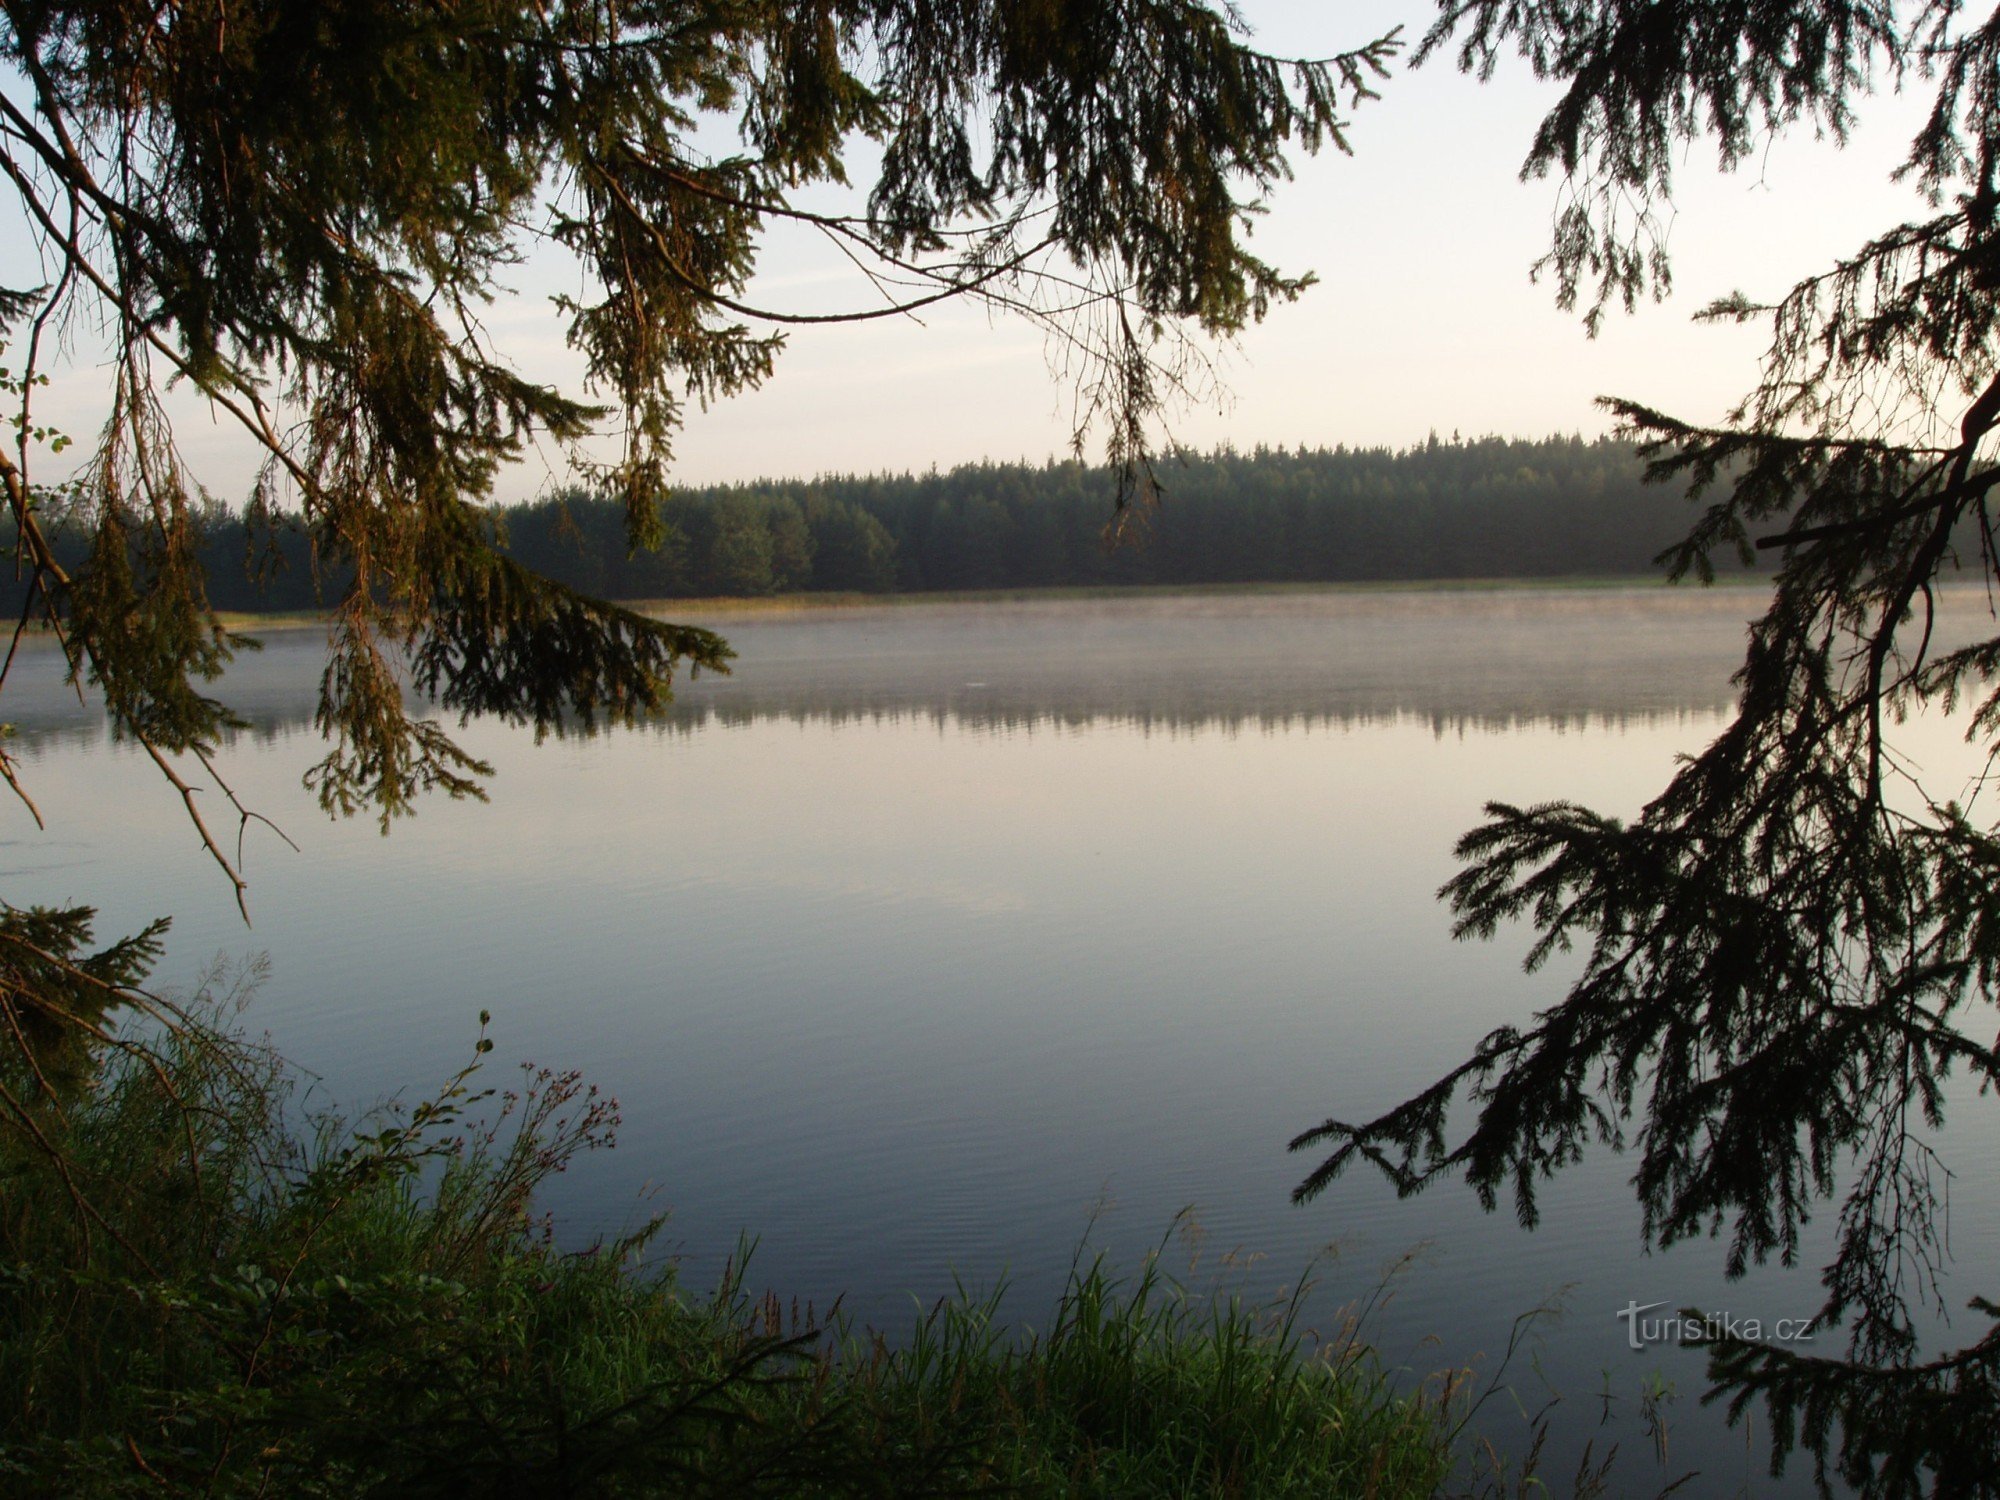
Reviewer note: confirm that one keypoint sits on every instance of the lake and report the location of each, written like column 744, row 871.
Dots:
column 941, row 936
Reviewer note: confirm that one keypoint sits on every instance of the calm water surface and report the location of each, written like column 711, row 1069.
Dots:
column 937, row 937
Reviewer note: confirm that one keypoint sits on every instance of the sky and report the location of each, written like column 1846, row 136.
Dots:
column 1426, row 318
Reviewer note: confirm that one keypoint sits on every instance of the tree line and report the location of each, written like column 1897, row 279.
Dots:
column 1532, row 508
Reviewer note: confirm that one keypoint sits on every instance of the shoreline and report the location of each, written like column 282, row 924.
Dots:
column 832, row 603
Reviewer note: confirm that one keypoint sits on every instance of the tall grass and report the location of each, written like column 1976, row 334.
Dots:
column 200, row 1293
column 1144, row 1386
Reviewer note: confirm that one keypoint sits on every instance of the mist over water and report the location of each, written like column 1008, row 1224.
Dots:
column 937, row 936
column 1455, row 658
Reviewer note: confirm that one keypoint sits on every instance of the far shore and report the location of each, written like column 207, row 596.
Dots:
column 780, row 604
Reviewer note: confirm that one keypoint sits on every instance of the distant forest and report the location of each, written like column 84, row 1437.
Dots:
column 1494, row 507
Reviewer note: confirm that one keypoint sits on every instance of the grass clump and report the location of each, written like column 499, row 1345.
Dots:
column 1145, row 1387
column 204, row 1291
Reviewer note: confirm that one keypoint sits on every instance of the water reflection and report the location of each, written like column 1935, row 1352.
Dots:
column 1457, row 662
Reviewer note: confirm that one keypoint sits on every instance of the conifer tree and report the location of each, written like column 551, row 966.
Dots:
column 1791, row 951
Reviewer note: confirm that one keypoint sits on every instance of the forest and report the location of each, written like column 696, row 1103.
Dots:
column 1445, row 509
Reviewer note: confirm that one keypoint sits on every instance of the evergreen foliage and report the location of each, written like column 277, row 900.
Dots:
column 299, row 212
column 1554, row 507
column 1793, row 951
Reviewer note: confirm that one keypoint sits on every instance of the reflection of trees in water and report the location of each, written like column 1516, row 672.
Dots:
column 1458, row 662
column 88, row 728
column 1002, row 718
column 687, row 720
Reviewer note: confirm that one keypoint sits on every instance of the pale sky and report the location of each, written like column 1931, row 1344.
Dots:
column 1425, row 317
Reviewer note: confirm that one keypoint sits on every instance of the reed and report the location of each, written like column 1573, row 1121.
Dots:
column 206, row 1289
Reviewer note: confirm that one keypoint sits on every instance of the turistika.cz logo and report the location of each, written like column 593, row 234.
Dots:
column 1680, row 1328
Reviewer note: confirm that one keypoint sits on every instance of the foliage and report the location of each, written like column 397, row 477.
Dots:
column 1793, row 951
column 1493, row 507
column 1439, row 510
column 54, row 996
column 292, row 1304
column 300, row 211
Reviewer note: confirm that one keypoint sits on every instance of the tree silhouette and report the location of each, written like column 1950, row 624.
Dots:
column 1795, row 946
column 299, row 211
